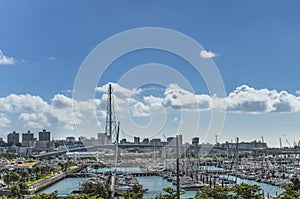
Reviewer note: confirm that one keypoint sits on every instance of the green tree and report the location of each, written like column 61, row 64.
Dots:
column 82, row 196
column 136, row 193
column 171, row 193
column 52, row 195
column 18, row 190
column 24, row 174
column 292, row 190
column 246, row 191
column 214, row 193
column 8, row 156
column 10, row 178
column 97, row 189
column 6, row 179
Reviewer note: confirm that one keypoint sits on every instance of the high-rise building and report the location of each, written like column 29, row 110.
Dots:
column 123, row 141
column 179, row 140
column 90, row 142
column 82, row 138
column 145, row 141
column 70, row 139
column 44, row 135
column 136, row 140
column 12, row 138
column 195, row 141
column 102, row 138
column 27, row 139
column 155, row 142
column 44, row 140
column 171, row 141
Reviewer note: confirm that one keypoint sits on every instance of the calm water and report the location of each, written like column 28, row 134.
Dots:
column 155, row 184
column 268, row 189
column 65, row 186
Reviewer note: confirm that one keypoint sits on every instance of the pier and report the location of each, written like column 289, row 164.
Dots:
column 139, row 174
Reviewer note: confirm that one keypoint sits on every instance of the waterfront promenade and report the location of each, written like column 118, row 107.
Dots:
column 53, row 179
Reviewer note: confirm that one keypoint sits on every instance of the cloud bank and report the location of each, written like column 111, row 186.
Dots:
column 34, row 112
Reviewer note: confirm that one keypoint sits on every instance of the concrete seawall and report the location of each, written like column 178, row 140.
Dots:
column 49, row 181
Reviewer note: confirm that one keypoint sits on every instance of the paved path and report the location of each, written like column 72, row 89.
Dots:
column 44, row 183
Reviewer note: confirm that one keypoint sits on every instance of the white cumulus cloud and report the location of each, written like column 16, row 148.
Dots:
column 34, row 120
column 4, row 120
column 179, row 98
column 250, row 100
column 118, row 90
column 62, row 111
column 140, row 110
column 5, row 60
column 207, row 54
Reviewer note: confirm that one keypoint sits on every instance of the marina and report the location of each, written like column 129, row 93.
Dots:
column 149, row 99
column 153, row 185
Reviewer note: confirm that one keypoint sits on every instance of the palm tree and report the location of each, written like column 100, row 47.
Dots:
column 6, row 179
column 52, row 195
column 97, row 189
column 171, row 193
column 247, row 191
column 292, row 190
column 216, row 193
column 24, row 174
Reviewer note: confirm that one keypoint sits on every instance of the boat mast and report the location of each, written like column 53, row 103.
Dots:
column 177, row 169
column 236, row 159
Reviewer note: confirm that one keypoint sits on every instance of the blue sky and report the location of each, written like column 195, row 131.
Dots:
column 256, row 44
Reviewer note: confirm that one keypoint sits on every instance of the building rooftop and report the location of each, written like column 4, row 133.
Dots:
column 22, row 165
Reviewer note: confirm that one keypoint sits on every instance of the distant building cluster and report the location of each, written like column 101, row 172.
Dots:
column 28, row 143
column 244, row 145
column 153, row 141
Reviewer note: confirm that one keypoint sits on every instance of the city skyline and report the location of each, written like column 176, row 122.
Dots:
column 253, row 44
column 30, row 139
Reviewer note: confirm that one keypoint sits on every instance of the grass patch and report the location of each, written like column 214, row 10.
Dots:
column 32, row 182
